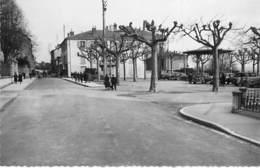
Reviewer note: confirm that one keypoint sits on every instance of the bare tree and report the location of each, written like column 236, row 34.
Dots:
column 211, row 35
column 243, row 57
column 254, row 57
column 256, row 41
column 118, row 45
column 139, row 50
column 14, row 34
column 157, row 35
column 90, row 53
column 196, row 60
column 203, row 60
column 87, row 54
column 144, row 56
column 124, row 57
column 254, row 44
column 231, row 61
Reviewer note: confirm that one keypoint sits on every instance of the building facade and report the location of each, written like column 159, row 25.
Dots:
column 67, row 56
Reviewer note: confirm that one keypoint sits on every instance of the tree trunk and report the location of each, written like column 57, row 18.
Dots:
column 91, row 64
column 117, row 69
column 230, row 66
column 216, row 71
column 254, row 66
column 242, row 67
column 202, row 68
column 258, row 64
column 110, row 66
column 145, row 67
column 105, row 63
column 154, row 75
column 98, row 72
column 134, row 70
column 197, row 65
column 124, row 70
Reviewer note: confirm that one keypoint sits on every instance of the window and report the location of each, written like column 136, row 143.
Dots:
column 82, row 44
column 82, row 61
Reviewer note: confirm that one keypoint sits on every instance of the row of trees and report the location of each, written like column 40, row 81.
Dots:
column 13, row 32
column 132, row 43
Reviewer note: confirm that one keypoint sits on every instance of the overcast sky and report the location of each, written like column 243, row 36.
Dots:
column 46, row 17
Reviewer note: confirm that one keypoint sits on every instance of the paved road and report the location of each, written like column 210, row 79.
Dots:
column 54, row 122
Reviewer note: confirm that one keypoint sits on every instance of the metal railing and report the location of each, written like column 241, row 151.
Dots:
column 246, row 100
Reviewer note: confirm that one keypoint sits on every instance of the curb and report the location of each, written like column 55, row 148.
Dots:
column 216, row 127
column 2, row 109
column 75, row 82
column 6, row 85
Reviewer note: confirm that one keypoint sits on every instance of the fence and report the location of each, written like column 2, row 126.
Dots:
column 246, row 100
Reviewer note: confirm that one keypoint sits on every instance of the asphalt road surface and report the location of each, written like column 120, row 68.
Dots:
column 54, row 122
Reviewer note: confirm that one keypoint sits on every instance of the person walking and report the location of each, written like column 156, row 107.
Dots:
column 223, row 79
column 190, row 78
column 20, row 78
column 113, row 82
column 15, row 77
column 107, row 82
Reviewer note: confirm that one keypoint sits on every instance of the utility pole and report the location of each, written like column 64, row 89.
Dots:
column 104, row 8
column 1, row 52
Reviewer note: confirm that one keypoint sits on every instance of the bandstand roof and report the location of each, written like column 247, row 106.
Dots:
column 204, row 50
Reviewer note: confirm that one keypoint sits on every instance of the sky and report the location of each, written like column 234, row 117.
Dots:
column 45, row 18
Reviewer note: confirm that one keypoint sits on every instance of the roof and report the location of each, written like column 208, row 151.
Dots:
column 204, row 50
column 94, row 34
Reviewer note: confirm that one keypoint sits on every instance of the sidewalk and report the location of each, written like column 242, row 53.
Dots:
column 219, row 117
column 5, row 82
column 86, row 84
column 10, row 92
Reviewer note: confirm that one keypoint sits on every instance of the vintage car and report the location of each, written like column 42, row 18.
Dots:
column 246, row 79
column 201, row 78
column 173, row 75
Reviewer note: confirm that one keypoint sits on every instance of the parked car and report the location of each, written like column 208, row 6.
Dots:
column 172, row 75
column 166, row 75
column 229, row 77
column 201, row 78
column 245, row 79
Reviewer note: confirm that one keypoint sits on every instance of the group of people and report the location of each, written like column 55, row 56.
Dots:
column 110, row 82
column 80, row 77
column 19, row 78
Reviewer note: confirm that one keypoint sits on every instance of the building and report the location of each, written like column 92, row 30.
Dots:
column 67, row 55
column 56, row 61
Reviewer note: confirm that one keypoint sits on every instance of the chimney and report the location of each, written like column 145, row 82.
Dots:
column 71, row 33
column 115, row 27
column 94, row 30
column 144, row 25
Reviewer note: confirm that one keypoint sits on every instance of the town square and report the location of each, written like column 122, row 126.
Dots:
column 129, row 83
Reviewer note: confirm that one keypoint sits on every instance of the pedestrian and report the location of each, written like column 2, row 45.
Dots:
column 30, row 75
column 229, row 79
column 85, row 77
column 223, row 78
column 20, row 78
column 15, row 77
column 23, row 75
column 190, row 78
column 107, row 82
column 81, row 77
column 113, row 82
